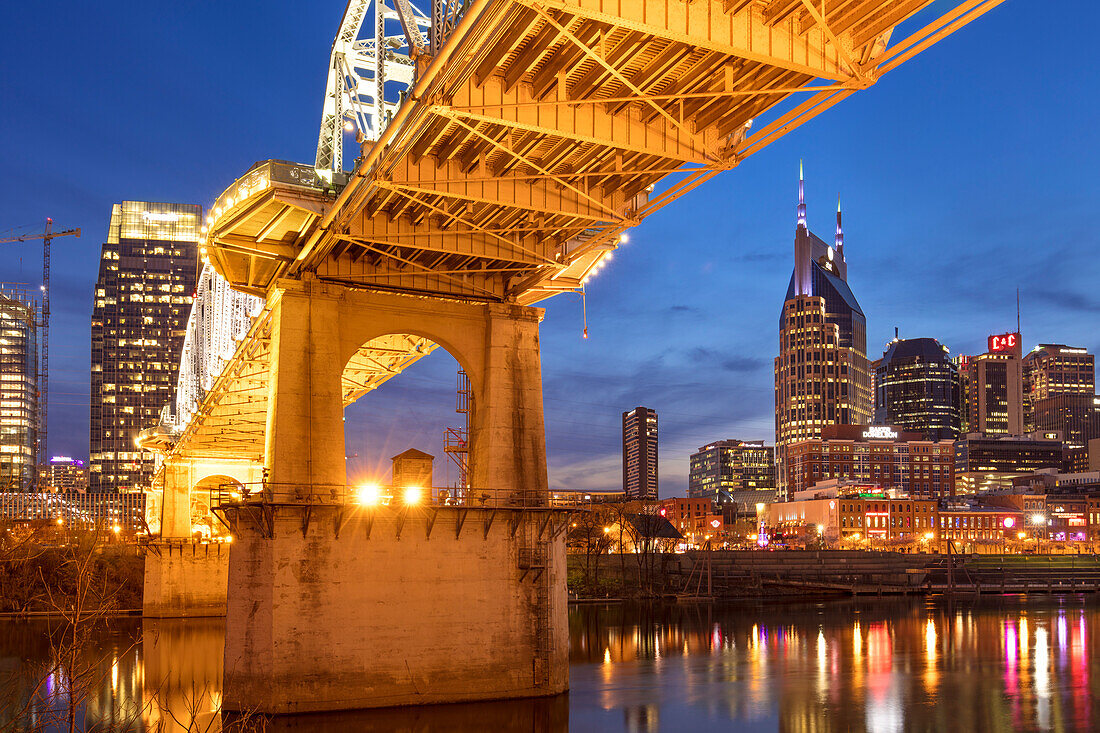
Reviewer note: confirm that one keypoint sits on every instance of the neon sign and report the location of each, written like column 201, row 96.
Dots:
column 1004, row 341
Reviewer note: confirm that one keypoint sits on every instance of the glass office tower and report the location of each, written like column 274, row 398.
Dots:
column 147, row 274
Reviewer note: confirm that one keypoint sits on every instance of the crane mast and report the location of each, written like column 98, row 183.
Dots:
column 47, row 237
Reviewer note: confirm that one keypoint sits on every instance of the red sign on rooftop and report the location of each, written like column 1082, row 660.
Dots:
column 1004, row 342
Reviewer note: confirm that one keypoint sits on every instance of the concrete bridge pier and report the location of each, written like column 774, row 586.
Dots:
column 338, row 606
column 185, row 573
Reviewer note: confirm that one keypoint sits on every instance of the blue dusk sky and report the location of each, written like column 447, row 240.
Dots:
column 965, row 174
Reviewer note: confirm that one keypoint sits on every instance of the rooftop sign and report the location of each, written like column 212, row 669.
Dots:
column 880, row 432
column 1004, row 341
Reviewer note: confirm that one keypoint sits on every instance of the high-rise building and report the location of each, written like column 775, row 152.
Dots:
column 18, row 389
column 1060, row 394
column 1054, row 369
column 147, row 275
column 994, row 388
column 640, row 454
column 726, row 466
column 1076, row 417
column 822, row 376
column 917, row 389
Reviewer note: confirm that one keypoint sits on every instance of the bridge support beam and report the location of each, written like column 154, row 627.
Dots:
column 335, row 606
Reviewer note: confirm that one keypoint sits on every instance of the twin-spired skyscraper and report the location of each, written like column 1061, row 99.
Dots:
column 822, row 376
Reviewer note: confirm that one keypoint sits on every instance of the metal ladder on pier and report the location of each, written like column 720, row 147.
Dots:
column 534, row 563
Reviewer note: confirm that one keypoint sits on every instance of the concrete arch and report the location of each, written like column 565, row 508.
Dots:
column 458, row 328
column 421, row 334
column 184, row 481
column 317, row 328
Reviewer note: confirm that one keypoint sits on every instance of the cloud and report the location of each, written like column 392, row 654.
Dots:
column 762, row 257
column 1068, row 300
column 727, row 362
column 599, row 472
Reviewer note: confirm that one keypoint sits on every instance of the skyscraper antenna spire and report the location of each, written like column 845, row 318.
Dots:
column 839, row 241
column 801, row 198
column 1017, row 310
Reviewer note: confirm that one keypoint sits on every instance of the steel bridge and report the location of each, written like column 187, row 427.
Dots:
column 504, row 157
column 502, row 150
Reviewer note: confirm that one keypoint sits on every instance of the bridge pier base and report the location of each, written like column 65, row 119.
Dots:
column 185, row 578
column 345, row 607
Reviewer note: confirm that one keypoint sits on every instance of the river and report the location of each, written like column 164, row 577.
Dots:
column 994, row 664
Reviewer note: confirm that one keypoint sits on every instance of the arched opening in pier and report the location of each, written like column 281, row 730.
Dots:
column 205, row 494
column 396, row 400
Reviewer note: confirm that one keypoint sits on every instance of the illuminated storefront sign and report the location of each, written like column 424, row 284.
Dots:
column 1004, row 341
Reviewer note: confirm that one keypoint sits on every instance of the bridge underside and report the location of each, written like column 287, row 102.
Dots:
column 541, row 130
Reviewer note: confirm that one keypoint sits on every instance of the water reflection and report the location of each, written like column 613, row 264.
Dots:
column 989, row 665
column 995, row 664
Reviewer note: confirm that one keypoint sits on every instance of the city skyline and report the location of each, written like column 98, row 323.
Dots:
column 925, row 248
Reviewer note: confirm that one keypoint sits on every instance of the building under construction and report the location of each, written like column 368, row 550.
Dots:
column 19, row 419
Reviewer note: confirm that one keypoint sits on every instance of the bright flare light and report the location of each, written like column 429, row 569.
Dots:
column 369, row 494
column 1038, row 519
column 116, row 529
column 412, row 495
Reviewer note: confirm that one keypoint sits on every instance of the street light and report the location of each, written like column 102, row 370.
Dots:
column 412, row 495
column 369, row 494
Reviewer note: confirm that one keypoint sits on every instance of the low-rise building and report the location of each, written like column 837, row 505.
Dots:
column 988, row 462
column 970, row 525
column 697, row 519
column 563, row 498
column 724, row 467
column 875, row 455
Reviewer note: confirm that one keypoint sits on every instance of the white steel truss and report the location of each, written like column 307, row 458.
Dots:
column 367, row 78
column 220, row 319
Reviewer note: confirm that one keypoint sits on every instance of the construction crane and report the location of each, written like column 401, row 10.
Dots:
column 46, row 236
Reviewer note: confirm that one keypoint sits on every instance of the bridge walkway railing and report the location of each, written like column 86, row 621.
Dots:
column 374, row 495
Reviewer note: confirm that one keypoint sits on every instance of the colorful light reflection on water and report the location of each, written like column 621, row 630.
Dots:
column 995, row 664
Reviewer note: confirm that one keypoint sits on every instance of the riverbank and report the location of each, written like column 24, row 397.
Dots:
column 748, row 574
column 42, row 581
